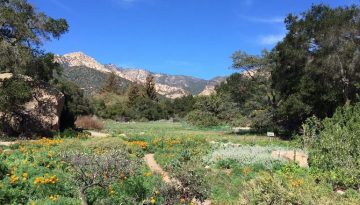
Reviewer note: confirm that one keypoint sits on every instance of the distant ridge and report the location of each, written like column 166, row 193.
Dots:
column 90, row 75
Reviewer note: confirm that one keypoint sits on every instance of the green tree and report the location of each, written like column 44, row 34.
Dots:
column 183, row 105
column 317, row 64
column 22, row 31
column 251, row 90
column 110, row 85
column 75, row 104
column 134, row 92
column 213, row 110
column 14, row 93
column 150, row 87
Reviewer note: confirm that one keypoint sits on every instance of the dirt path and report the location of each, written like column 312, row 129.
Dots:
column 7, row 143
column 97, row 134
column 155, row 167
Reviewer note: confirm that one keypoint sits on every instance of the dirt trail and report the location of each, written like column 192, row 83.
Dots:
column 7, row 143
column 97, row 134
column 155, row 167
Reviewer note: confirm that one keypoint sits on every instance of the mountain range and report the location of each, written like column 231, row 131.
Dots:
column 90, row 75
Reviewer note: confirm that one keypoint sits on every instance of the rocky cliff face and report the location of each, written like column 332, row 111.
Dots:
column 171, row 86
column 40, row 116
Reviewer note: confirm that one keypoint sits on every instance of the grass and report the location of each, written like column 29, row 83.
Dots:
column 239, row 177
column 176, row 143
column 181, row 130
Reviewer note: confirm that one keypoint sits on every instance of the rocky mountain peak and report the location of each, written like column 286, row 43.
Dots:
column 80, row 59
column 171, row 86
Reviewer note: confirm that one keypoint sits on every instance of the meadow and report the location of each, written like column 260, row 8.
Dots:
column 211, row 164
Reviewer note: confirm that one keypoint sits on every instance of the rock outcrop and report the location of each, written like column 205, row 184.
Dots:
column 170, row 86
column 41, row 115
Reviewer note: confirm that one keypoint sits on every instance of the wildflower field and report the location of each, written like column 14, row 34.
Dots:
column 78, row 169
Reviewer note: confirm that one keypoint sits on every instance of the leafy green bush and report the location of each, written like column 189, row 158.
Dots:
column 76, row 104
column 202, row 118
column 311, row 130
column 262, row 121
column 336, row 150
column 269, row 188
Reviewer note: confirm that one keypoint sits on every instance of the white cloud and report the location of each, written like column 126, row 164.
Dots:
column 271, row 39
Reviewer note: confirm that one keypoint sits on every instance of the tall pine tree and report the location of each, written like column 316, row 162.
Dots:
column 150, row 87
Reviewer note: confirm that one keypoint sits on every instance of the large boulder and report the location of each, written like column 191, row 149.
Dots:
column 41, row 115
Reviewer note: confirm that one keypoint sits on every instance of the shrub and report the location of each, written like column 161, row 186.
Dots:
column 193, row 185
column 262, row 121
column 202, row 119
column 244, row 156
column 89, row 123
column 286, row 189
column 99, row 170
column 337, row 149
column 311, row 130
column 76, row 104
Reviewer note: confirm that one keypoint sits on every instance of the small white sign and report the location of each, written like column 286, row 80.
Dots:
column 270, row 134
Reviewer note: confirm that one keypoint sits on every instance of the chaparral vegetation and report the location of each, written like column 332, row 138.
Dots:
column 282, row 129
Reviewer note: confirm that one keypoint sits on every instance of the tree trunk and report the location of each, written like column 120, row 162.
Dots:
column 83, row 196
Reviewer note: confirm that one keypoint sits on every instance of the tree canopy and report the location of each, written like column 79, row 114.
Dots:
column 22, row 31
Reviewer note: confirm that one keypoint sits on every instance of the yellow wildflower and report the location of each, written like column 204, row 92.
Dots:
column 54, row 197
column 14, row 179
column 147, row 174
column 246, row 170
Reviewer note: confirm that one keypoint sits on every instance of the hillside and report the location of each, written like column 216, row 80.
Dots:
column 90, row 80
column 90, row 75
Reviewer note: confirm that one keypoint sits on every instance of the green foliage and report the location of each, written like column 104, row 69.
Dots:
column 23, row 30
column 182, row 106
column 110, row 105
column 92, row 81
column 316, row 65
column 336, row 151
column 75, row 104
column 110, row 84
column 150, row 87
column 251, row 91
column 285, row 189
column 14, row 93
column 212, row 110
column 202, row 118
column 194, row 181
column 311, row 131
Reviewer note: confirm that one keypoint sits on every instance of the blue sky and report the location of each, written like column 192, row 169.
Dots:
column 188, row 37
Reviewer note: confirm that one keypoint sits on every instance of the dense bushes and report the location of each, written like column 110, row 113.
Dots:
column 89, row 123
column 75, row 104
column 202, row 118
column 213, row 110
column 336, row 149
